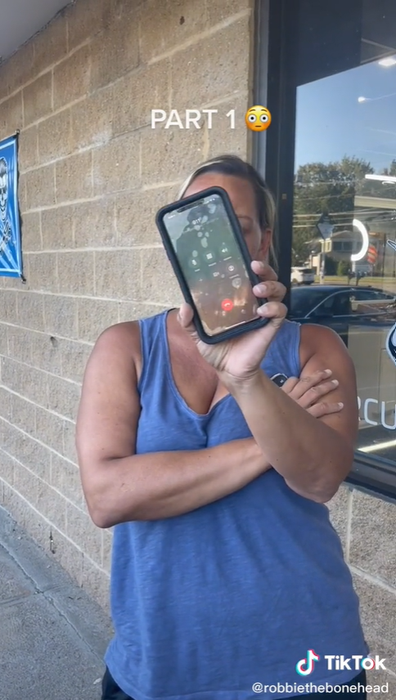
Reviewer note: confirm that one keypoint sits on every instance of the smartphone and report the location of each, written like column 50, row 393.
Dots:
column 205, row 245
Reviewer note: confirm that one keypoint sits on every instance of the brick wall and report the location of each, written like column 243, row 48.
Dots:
column 92, row 174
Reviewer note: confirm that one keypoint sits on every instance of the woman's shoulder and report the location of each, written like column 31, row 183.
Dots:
column 119, row 333
column 129, row 331
column 125, row 339
column 321, row 340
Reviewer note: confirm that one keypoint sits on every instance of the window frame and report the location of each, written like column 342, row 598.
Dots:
column 273, row 156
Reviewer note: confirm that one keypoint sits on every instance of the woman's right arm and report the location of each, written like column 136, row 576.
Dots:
column 119, row 485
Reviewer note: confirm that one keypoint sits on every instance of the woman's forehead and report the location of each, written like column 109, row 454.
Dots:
column 238, row 189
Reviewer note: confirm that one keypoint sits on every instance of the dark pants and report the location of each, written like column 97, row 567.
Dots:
column 111, row 691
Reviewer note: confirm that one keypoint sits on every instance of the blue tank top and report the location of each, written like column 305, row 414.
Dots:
column 208, row 603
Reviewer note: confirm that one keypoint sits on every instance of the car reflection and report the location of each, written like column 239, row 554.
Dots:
column 363, row 317
column 343, row 308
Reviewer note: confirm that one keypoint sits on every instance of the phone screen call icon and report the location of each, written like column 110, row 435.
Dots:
column 227, row 305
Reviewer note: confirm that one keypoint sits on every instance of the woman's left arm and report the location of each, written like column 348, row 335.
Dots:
column 313, row 455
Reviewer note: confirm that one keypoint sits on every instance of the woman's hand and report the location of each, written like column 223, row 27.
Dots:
column 240, row 358
column 311, row 391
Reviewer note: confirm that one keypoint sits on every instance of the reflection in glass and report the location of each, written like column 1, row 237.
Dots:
column 345, row 207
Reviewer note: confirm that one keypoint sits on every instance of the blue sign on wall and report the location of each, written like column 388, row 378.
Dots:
column 10, row 229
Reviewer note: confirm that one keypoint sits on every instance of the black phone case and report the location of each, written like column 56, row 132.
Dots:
column 232, row 332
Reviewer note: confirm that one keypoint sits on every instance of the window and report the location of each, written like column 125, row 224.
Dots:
column 330, row 156
column 334, row 305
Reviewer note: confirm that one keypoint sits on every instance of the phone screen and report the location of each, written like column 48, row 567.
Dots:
column 212, row 264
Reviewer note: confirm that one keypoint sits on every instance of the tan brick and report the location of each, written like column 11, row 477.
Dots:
column 45, row 352
column 11, row 115
column 26, row 483
column 95, row 582
column 76, row 273
column 74, row 178
column 6, row 403
column 66, row 478
column 30, row 310
column 117, row 274
column 54, row 137
column 28, row 148
column 25, row 380
column 63, row 396
column 94, row 316
column 49, row 429
column 222, row 137
column 8, row 306
column 137, row 93
column 132, row 312
column 221, row 10
column 37, row 99
column 52, row 505
column 4, row 427
column 116, row 165
column 50, row 45
column 19, row 344
column 43, row 273
column 74, row 358
column 11, row 437
column 72, row 78
column 214, row 66
column 115, row 51
column 69, row 441
column 7, row 464
column 34, row 455
column 57, row 228
column 40, row 187
column 19, row 69
column 94, row 224
column 60, row 315
column 22, row 193
column 31, row 232
column 82, row 531
column 181, row 152
column 135, row 215
column 68, row 555
column 159, row 281
column 23, row 414
column 85, row 19
column 164, row 26
column 92, row 120
column 3, row 339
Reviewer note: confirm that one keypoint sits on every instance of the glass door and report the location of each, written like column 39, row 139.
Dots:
column 336, row 186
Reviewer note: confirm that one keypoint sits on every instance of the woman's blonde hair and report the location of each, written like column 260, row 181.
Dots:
column 236, row 167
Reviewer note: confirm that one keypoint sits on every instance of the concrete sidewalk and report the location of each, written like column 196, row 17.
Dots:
column 52, row 635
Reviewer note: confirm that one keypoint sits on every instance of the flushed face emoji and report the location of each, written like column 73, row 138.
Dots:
column 258, row 118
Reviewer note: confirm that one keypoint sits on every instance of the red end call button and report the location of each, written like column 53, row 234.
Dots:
column 227, row 305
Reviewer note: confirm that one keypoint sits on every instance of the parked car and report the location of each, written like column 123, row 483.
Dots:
column 342, row 307
column 302, row 275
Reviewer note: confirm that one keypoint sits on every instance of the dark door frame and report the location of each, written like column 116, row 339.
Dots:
column 273, row 156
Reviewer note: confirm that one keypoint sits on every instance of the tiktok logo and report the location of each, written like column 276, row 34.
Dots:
column 305, row 666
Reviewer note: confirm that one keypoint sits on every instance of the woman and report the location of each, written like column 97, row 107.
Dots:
column 226, row 569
